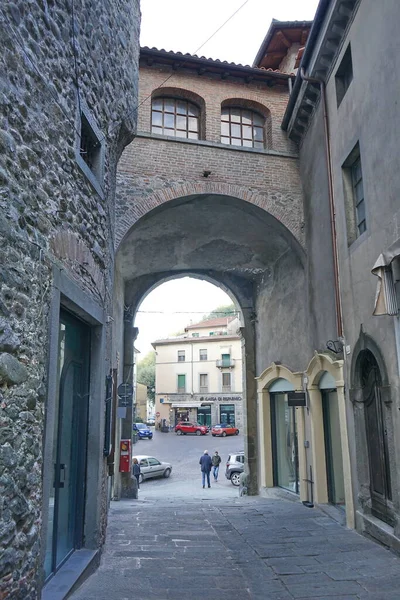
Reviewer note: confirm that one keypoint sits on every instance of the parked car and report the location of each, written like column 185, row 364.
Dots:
column 185, row 427
column 152, row 467
column 223, row 430
column 151, row 421
column 143, row 431
column 234, row 467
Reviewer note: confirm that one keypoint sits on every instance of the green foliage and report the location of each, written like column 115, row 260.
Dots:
column 224, row 310
column 146, row 373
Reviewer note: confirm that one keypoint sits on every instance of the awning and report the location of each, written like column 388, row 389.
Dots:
column 187, row 405
column 386, row 269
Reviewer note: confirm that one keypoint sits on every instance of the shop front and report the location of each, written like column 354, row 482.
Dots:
column 204, row 415
column 285, row 448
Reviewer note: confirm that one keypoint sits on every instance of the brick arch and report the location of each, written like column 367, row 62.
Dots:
column 274, row 203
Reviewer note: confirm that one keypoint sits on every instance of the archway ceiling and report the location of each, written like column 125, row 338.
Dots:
column 203, row 233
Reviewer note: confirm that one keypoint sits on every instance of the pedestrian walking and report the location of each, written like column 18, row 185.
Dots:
column 205, row 465
column 136, row 471
column 216, row 461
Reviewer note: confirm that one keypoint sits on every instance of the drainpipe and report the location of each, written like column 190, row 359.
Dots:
column 338, row 302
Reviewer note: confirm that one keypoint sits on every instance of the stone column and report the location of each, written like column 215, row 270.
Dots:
column 128, row 482
column 250, row 416
column 264, row 412
column 348, row 488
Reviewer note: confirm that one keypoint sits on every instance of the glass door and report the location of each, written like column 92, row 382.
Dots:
column 284, row 443
column 67, row 497
column 333, row 447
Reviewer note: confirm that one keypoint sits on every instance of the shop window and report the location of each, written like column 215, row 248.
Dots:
column 226, row 382
column 175, row 117
column 181, row 356
column 181, row 384
column 195, row 334
column 356, row 218
column 284, row 443
column 203, row 383
column 203, row 354
column 344, row 76
column 242, row 127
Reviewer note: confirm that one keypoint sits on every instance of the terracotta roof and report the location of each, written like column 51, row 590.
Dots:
column 219, row 322
column 280, row 35
column 146, row 51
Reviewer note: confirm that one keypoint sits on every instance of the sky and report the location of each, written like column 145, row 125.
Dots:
column 184, row 26
column 173, row 305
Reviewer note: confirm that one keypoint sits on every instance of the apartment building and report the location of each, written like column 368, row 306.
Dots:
column 199, row 375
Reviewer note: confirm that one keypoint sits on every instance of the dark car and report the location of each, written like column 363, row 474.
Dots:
column 224, row 430
column 185, row 427
column 143, row 431
column 234, row 467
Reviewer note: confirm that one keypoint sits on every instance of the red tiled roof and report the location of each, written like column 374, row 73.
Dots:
column 219, row 322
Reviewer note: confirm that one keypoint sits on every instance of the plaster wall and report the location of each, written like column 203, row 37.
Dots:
column 168, row 367
column 367, row 115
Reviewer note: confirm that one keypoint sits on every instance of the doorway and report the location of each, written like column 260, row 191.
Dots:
column 285, row 449
column 204, row 415
column 333, row 447
column 68, row 491
column 377, row 443
column 227, row 414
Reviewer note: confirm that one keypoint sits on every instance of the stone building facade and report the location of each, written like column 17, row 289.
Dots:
column 347, row 53
column 68, row 93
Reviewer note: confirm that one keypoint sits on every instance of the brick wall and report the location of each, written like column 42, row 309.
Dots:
column 155, row 169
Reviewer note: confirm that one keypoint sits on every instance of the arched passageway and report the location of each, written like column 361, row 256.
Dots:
column 240, row 247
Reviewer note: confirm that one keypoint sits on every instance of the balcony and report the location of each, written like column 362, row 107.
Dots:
column 225, row 363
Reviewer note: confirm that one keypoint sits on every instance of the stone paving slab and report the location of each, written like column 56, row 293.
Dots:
column 254, row 548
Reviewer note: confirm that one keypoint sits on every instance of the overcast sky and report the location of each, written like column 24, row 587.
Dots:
column 184, row 25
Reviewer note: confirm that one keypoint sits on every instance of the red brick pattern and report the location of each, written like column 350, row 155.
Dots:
column 154, row 170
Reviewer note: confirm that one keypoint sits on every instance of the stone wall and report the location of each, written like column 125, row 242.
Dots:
column 50, row 214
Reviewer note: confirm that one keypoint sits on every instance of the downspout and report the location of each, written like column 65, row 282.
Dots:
column 338, row 302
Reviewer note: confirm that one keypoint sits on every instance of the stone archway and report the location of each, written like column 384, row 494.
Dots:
column 373, row 420
column 285, row 208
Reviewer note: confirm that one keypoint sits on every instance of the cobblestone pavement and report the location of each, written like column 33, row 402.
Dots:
column 183, row 452
column 241, row 548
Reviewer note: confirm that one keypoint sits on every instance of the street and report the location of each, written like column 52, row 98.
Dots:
column 183, row 452
column 178, row 541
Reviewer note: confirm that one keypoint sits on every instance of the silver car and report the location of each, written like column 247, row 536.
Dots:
column 234, row 467
column 152, row 467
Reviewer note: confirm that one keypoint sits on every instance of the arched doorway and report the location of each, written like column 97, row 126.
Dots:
column 376, row 435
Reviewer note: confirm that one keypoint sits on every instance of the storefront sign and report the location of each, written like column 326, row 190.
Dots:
column 296, row 399
column 221, row 399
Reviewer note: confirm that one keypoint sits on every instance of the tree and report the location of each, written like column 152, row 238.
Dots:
column 224, row 310
column 146, row 373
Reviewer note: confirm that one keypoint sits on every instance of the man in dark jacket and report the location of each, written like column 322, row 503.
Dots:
column 205, row 465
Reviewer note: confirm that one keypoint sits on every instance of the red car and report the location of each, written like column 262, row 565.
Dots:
column 224, row 430
column 185, row 427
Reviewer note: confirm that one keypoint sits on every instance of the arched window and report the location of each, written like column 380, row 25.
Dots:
column 242, row 127
column 175, row 117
